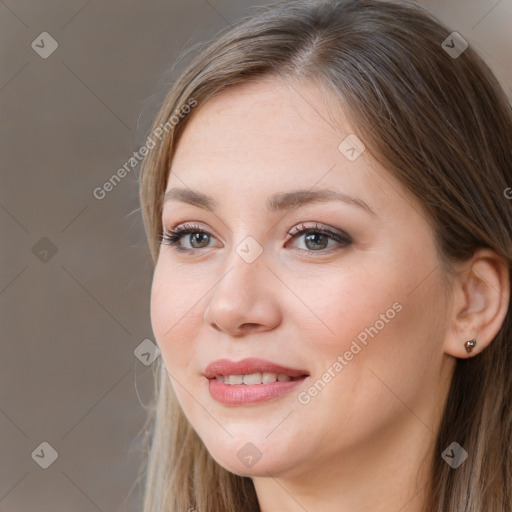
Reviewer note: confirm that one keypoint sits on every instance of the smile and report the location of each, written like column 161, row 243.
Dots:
column 250, row 381
column 254, row 378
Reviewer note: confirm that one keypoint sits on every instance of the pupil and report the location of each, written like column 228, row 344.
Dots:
column 315, row 236
column 197, row 238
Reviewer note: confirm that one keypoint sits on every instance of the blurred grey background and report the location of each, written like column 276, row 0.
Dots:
column 80, row 82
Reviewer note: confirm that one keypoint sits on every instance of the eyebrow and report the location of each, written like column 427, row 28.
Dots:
column 276, row 202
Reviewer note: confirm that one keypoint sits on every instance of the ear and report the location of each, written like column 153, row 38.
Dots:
column 480, row 298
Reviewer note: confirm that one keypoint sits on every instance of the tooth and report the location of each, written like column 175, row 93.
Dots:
column 236, row 379
column 220, row 378
column 283, row 378
column 253, row 378
column 268, row 378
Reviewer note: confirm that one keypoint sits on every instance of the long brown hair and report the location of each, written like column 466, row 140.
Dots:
column 442, row 125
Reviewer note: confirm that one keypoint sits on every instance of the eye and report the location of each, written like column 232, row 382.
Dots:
column 173, row 237
column 316, row 238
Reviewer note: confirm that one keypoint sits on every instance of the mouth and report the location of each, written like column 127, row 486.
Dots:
column 250, row 381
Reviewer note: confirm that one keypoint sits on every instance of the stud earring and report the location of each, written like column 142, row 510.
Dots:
column 470, row 345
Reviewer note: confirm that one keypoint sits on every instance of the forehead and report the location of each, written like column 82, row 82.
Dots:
column 265, row 114
column 256, row 139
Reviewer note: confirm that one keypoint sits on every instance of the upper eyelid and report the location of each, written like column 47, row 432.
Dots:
column 295, row 229
column 298, row 228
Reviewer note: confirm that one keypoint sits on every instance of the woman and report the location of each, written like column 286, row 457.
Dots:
column 326, row 207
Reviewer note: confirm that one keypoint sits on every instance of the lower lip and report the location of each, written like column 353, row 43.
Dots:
column 243, row 394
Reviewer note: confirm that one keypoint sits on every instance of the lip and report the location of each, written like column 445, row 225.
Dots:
column 244, row 394
column 248, row 366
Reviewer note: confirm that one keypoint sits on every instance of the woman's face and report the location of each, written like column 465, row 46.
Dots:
column 351, row 314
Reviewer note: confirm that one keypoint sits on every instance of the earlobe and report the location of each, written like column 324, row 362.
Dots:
column 470, row 345
column 480, row 304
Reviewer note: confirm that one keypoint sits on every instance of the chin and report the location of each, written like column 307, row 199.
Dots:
column 249, row 460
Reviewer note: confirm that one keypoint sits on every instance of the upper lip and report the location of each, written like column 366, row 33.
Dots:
column 248, row 366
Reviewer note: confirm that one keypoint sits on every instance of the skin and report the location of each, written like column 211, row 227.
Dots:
column 364, row 442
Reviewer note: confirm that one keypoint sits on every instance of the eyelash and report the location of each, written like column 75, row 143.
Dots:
column 174, row 236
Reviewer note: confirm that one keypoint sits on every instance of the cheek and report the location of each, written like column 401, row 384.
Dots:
column 345, row 306
column 376, row 317
column 390, row 336
column 379, row 352
column 174, row 312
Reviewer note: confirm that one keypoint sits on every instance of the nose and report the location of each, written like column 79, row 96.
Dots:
column 245, row 299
